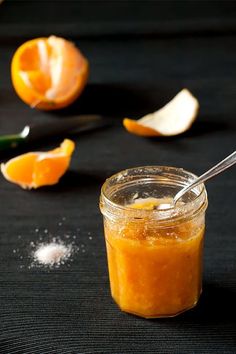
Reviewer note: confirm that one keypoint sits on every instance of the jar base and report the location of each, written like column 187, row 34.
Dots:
column 157, row 315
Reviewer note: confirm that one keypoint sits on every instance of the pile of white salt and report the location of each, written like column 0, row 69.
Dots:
column 52, row 254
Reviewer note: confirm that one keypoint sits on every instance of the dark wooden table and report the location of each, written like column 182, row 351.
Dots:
column 141, row 54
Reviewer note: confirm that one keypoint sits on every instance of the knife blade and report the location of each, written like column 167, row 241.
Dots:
column 52, row 128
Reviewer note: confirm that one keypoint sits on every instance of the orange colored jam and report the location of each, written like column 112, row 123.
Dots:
column 154, row 271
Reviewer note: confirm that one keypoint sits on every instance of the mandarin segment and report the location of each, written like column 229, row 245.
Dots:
column 40, row 81
column 49, row 73
column 20, row 169
column 36, row 169
column 48, row 170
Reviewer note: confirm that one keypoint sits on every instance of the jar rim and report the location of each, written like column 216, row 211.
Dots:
column 163, row 215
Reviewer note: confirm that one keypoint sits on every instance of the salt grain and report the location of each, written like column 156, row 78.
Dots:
column 52, row 253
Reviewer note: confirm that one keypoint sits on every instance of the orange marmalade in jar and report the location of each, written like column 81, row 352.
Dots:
column 154, row 253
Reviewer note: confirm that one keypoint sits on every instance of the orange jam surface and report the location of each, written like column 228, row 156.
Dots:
column 154, row 271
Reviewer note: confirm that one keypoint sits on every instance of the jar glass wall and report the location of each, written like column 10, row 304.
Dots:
column 154, row 255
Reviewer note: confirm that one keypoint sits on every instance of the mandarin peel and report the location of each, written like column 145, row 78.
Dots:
column 134, row 127
column 175, row 118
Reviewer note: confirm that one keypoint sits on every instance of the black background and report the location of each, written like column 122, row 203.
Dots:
column 141, row 54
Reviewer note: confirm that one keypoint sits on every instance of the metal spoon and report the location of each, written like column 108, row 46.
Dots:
column 215, row 170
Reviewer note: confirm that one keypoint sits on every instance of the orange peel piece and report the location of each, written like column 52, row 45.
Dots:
column 174, row 118
column 36, row 169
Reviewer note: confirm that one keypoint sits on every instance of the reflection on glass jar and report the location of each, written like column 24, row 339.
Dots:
column 154, row 254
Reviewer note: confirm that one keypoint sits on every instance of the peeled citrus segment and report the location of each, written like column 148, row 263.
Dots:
column 40, row 81
column 36, row 169
column 174, row 118
column 49, row 73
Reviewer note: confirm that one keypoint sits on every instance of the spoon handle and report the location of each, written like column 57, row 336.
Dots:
column 215, row 170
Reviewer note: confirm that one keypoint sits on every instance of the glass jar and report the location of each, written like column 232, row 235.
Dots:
column 154, row 255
